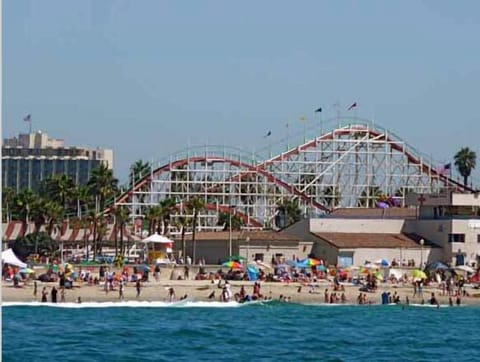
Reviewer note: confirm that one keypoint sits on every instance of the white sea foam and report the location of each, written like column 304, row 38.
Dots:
column 129, row 304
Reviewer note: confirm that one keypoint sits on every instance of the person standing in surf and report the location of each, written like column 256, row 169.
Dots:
column 120, row 289
column 138, row 285
column 44, row 295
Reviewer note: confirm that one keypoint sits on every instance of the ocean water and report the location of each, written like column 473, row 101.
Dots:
column 195, row 331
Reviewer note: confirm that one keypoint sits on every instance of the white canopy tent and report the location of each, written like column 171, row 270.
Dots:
column 157, row 238
column 9, row 257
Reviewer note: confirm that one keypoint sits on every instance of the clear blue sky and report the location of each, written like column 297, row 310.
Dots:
column 146, row 77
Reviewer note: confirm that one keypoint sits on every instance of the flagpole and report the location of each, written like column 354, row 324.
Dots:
column 288, row 136
column 304, row 121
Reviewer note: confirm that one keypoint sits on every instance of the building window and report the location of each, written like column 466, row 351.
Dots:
column 478, row 238
column 456, row 238
column 259, row 257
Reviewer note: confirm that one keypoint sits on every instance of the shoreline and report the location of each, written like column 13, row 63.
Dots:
column 199, row 291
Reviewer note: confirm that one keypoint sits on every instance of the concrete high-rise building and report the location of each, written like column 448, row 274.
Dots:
column 30, row 158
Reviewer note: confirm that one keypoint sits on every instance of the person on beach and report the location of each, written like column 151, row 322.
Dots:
column 171, row 295
column 62, row 295
column 326, row 297
column 186, row 272
column 433, row 300
column 157, row 272
column 44, row 295
column 35, row 289
column 53, row 294
column 138, row 286
column 120, row 289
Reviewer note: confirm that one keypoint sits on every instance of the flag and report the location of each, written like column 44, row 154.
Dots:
column 443, row 170
column 318, row 110
column 27, row 118
column 352, row 106
column 269, row 133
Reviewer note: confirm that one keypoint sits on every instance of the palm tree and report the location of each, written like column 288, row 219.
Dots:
column 196, row 205
column 167, row 206
column 103, row 184
column 224, row 219
column 23, row 202
column 53, row 215
column 465, row 161
column 81, row 194
column 288, row 212
column 138, row 170
column 58, row 187
column 93, row 220
column 102, row 229
column 152, row 215
column 37, row 215
column 121, row 214
column 183, row 222
column 8, row 196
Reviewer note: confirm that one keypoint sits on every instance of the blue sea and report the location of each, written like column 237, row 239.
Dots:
column 196, row 331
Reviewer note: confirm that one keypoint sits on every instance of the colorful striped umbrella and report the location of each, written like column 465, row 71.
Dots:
column 233, row 265
column 308, row 262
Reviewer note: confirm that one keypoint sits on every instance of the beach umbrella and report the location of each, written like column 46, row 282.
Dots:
column 418, row 274
column 143, row 268
column 438, row 265
column 382, row 262
column 308, row 262
column 26, row 271
column 233, row 265
column 464, row 268
column 321, row 268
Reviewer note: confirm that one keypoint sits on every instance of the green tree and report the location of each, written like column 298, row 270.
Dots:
column 167, row 207
column 103, row 184
column 224, row 219
column 40, row 244
column 288, row 212
column 152, row 215
column 23, row 203
column 182, row 223
column 58, row 187
column 465, row 161
column 8, row 196
column 138, row 170
column 195, row 205
column 121, row 213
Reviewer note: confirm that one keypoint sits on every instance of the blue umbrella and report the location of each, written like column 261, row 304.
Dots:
column 144, row 268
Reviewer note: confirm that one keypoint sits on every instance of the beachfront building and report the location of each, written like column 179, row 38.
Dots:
column 444, row 226
column 251, row 245
column 358, row 236
column 30, row 158
column 451, row 220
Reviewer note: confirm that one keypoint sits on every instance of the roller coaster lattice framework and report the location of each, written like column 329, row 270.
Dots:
column 353, row 165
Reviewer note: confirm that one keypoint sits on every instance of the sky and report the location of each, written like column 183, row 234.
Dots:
column 149, row 78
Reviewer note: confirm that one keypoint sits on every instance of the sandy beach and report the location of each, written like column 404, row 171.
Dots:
column 201, row 290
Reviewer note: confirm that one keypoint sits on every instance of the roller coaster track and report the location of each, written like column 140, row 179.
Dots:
column 265, row 169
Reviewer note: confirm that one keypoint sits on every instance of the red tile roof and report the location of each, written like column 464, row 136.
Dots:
column 241, row 235
column 391, row 213
column 371, row 240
